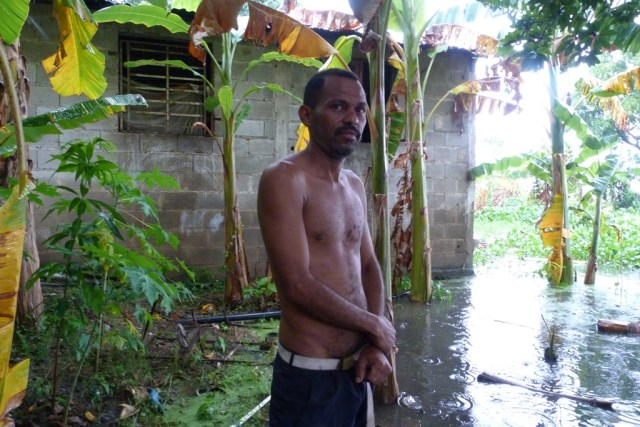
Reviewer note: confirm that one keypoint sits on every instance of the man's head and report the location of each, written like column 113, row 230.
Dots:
column 334, row 110
column 316, row 83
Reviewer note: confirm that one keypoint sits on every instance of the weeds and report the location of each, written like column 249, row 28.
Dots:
column 509, row 230
column 105, row 290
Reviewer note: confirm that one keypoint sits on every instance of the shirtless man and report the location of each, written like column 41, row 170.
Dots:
column 334, row 337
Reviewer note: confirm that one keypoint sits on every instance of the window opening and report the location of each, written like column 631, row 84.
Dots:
column 175, row 96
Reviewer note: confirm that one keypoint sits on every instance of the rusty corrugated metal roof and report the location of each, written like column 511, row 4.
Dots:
column 455, row 36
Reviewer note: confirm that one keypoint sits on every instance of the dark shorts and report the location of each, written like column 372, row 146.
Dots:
column 310, row 398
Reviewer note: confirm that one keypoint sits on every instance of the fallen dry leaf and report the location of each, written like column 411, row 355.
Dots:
column 127, row 410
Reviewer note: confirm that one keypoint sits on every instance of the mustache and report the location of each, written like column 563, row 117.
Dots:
column 348, row 128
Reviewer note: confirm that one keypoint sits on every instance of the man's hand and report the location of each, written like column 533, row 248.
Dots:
column 385, row 336
column 372, row 366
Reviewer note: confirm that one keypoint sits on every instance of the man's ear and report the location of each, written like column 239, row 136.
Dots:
column 304, row 113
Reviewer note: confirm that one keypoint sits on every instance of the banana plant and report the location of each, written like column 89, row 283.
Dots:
column 218, row 18
column 13, row 379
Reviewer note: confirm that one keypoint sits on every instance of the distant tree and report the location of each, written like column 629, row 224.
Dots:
column 561, row 34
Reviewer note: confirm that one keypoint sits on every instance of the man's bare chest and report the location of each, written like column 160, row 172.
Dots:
column 334, row 217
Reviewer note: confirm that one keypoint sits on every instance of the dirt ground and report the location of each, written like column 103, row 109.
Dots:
column 207, row 372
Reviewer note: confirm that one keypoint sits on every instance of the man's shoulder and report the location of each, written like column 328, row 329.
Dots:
column 283, row 171
column 284, row 165
column 352, row 177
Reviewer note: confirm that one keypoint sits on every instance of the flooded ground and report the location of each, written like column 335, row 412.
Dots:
column 494, row 324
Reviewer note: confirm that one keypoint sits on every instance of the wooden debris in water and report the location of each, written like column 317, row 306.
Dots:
column 618, row 326
column 601, row 403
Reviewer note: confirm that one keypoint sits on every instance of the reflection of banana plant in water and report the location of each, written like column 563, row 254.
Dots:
column 219, row 18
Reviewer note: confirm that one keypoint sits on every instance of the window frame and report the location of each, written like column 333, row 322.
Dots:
column 166, row 82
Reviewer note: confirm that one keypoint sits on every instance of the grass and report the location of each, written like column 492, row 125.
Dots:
column 510, row 230
column 216, row 381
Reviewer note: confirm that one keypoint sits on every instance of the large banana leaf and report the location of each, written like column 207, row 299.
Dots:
column 551, row 228
column 604, row 94
column 188, row 5
column 212, row 18
column 78, row 66
column 605, row 174
column 267, row 25
column 69, row 117
column 620, row 84
column 14, row 13
column 143, row 14
column 13, row 379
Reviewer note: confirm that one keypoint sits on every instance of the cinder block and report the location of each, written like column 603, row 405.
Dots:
column 262, row 147
column 251, row 128
column 170, row 200
column 209, row 200
column 157, row 143
column 166, row 162
column 205, row 164
column 196, row 144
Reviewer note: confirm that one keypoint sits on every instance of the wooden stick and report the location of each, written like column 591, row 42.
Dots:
column 601, row 403
column 618, row 326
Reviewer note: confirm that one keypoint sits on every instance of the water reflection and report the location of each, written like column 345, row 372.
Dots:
column 495, row 324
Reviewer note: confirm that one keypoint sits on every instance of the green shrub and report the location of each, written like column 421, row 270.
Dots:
column 509, row 230
column 107, row 290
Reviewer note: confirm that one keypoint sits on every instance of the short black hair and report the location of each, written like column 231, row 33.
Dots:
column 316, row 83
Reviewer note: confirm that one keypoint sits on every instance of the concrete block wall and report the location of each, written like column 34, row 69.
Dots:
column 195, row 213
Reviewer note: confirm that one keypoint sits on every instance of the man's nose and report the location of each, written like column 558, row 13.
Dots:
column 351, row 116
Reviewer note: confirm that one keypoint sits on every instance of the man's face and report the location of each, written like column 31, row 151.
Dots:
column 337, row 121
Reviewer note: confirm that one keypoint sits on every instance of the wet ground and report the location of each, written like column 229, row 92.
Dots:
column 494, row 324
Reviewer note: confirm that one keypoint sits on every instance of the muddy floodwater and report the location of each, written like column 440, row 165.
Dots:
column 494, row 324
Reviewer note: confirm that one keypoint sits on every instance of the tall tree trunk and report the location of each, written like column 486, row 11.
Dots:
column 559, row 174
column 389, row 391
column 421, row 244
column 235, row 260
column 29, row 300
column 592, row 264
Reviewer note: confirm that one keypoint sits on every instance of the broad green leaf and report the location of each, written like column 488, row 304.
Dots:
column 225, row 96
column 242, row 114
column 143, row 14
column 606, row 171
column 69, row 117
column 155, row 179
column 78, row 66
column 396, row 131
column 272, row 87
column 14, row 13
column 211, row 103
column 188, row 5
column 344, row 46
column 176, row 63
column 277, row 56
column 502, row 165
column 575, row 122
